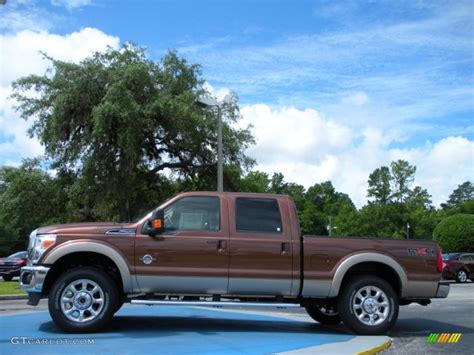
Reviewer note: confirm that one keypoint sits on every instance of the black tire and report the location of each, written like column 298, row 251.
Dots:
column 319, row 314
column 461, row 276
column 7, row 277
column 118, row 306
column 350, row 308
column 94, row 276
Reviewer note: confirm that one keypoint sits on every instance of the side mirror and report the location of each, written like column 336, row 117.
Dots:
column 156, row 223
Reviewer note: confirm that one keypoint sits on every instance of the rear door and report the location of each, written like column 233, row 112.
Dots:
column 468, row 260
column 261, row 249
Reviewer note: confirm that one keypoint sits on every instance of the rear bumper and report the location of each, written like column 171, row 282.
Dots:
column 443, row 290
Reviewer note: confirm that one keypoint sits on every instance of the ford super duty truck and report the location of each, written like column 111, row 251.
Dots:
column 226, row 249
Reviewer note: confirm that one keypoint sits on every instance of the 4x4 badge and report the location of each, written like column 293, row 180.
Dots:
column 147, row 259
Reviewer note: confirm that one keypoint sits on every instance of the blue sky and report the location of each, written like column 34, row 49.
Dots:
column 360, row 83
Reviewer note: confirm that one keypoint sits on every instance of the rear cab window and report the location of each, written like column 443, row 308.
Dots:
column 261, row 215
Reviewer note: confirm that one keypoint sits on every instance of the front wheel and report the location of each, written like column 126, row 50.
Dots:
column 324, row 314
column 461, row 276
column 83, row 300
column 368, row 305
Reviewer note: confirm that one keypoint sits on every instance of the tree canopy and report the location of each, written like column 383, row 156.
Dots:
column 456, row 233
column 121, row 123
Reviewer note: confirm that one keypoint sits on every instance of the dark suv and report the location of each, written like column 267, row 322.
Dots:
column 11, row 265
column 458, row 266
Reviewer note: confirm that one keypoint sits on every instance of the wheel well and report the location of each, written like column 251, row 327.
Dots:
column 78, row 259
column 381, row 270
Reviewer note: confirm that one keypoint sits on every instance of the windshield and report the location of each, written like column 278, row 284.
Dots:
column 19, row 255
column 142, row 216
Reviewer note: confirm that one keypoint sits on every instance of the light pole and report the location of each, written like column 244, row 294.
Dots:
column 330, row 227
column 210, row 102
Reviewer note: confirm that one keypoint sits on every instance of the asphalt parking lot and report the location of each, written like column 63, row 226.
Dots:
column 252, row 330
column 452, row 315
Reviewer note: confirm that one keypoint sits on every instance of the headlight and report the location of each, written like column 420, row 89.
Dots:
column 39, row 243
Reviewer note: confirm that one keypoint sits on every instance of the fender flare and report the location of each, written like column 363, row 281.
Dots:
column 353, row 260
column 93, row 246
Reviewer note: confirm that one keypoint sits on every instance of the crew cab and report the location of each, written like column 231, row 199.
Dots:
column 226, row 249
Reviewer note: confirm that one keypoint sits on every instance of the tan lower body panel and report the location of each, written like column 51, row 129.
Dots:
column 213, row 285
column 316, row 288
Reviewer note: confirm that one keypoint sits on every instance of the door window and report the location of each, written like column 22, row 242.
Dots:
column 258, row 215
column 196, row 213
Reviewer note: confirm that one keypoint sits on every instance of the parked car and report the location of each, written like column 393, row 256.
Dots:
column 11, row 265
column 458, row 266
column 238, row 249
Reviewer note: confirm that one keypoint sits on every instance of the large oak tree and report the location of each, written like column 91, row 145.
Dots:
column 122, row 124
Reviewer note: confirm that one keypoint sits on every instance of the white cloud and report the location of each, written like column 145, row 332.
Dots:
column 21, row 51
column 21, row 56
column 308, row 148
column 219, row 94
column 293, row 133
column 71, row 4
column 27, row 14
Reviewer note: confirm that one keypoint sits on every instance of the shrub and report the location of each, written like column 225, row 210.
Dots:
column 456, row 233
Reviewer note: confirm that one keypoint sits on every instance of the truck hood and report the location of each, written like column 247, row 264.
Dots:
column 85, row 228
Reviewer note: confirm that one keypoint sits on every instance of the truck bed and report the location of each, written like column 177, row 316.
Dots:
column 324, row 256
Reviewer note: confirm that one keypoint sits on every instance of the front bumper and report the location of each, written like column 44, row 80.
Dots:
column 32, row 278
column 443, row 290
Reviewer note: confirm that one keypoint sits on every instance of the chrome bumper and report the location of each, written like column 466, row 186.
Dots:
column 32, row 278
column 443, row 290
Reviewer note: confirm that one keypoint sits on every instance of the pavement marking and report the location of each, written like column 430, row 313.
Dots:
column 360, row 345
column 186, row 330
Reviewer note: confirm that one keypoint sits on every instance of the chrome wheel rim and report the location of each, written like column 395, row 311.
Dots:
column 462, row 276
column 82, row 301
column 371, row 305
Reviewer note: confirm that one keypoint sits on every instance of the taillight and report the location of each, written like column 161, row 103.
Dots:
column 439, row 261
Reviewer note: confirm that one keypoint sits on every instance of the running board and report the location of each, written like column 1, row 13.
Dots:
column 214, row 304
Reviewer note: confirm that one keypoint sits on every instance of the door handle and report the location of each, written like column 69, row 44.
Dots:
column 221, row 246
column 285, row 248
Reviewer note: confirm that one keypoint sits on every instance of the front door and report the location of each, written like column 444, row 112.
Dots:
column 191, row 256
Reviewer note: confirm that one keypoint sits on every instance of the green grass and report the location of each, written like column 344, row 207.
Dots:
column 10, row 288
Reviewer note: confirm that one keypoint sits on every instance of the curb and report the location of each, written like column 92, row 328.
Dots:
column 13, row 297
column 376, row 349
column 357, row 345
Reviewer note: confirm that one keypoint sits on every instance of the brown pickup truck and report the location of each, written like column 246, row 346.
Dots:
column 226, row 249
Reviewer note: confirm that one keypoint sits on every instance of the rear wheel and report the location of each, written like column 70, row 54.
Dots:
column 324, row 314
column 461, row 276
column 83, row 300
column 368, row 305
column 7, row 277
